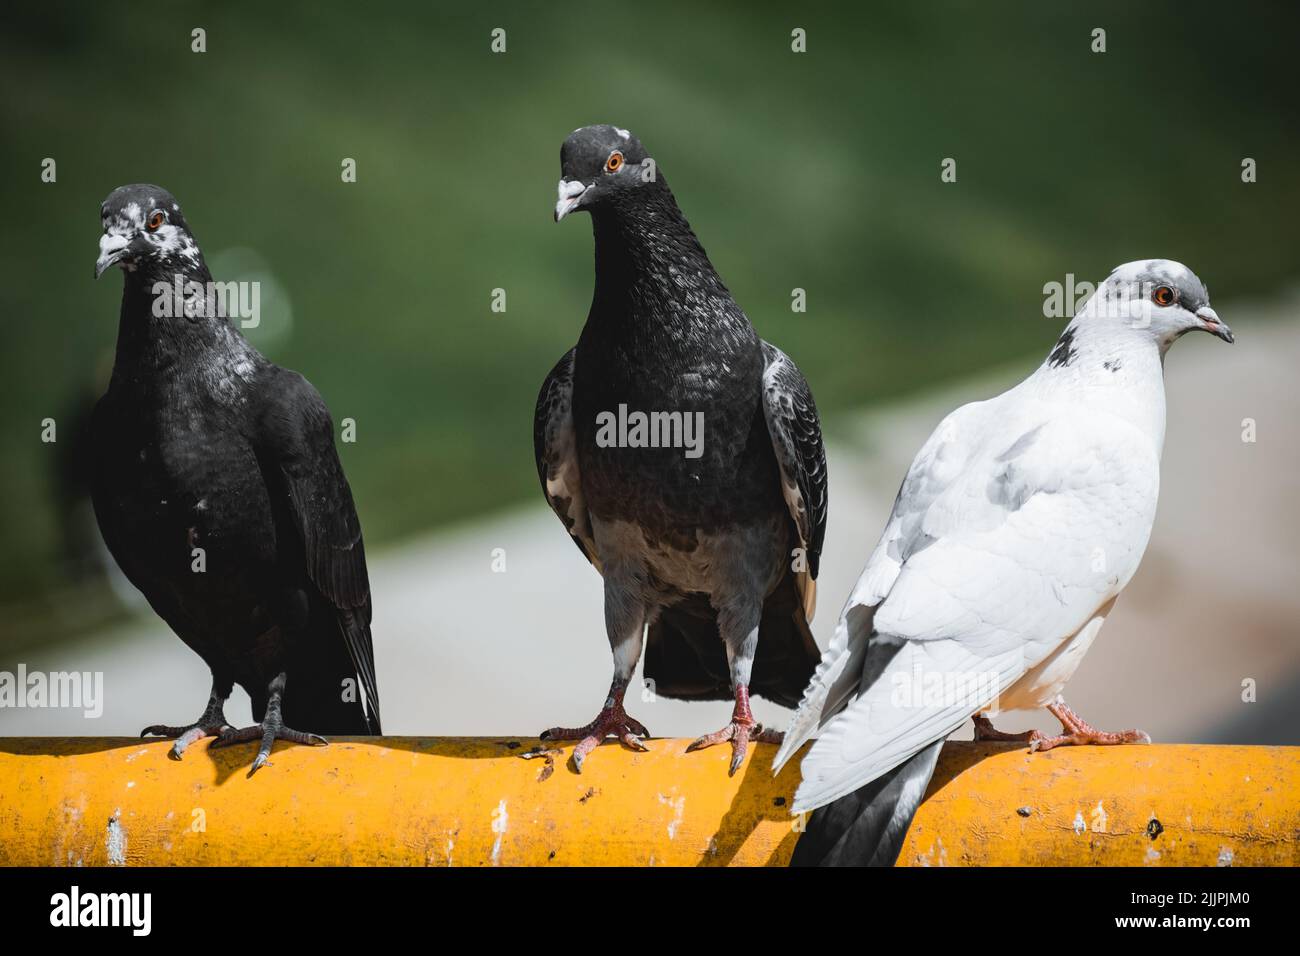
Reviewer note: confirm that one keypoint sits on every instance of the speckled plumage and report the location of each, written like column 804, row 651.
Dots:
column 201, row 443
column 699, row 549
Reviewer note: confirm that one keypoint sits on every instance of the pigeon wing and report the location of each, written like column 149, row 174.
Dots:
column 796, row 433
column 993, row 566
column 554, row 445
column 295, row 446
column 840, row 672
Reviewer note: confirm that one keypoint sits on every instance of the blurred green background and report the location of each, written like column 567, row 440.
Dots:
column 818, row 171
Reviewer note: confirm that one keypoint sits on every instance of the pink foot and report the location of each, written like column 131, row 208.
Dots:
column 1078, row 732
column 984, row 730
column 612, row 721
column 740, row 732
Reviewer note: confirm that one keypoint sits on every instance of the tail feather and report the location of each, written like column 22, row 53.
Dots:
column 686, row 659
column 684, row 656
column 837, row 678
column 318, row 697
column 867, row 827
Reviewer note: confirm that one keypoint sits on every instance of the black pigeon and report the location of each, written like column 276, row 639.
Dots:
column 706, row 522
column 220, row 494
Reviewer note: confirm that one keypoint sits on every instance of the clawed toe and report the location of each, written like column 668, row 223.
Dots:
column 1077, row 732
column 162, row 730
column 184, row 736
column 567, row 733
column 742, row 729
column 1090, row 737
column 632, row 742
column 231, row 736
column 739, row 733
column 985, row 731
column 268, row 733
column 612, row 721
column 585, row 746
column 710, row 740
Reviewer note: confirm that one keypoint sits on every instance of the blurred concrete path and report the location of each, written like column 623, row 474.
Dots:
column 464, row 650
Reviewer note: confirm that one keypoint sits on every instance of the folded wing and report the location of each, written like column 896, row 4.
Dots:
column 1016, row 522
column 555, row 448
column 295, row 447
column 796, row 433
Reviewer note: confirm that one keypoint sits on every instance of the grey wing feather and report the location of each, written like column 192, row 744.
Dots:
column 867, row 827
column 796, row 435
column 297, row 439
column 555, row 448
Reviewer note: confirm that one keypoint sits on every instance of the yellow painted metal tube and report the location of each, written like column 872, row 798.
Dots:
column 475, row 802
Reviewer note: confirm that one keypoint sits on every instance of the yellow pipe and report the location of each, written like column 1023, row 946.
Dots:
column 474, row 802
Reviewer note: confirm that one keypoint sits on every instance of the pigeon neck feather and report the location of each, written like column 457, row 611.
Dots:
column 649, row 262
column 1111, row 368
column 152, row 347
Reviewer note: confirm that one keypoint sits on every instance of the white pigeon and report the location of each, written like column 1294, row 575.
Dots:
column 1019, row 523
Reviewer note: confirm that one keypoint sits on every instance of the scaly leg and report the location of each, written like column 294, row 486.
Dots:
column 742, row 729
column 270, row 730
column 624, row 626
column 612, row 721
column 738, row 625
column 1079, row 732
column 211, row 724
column 984, row 730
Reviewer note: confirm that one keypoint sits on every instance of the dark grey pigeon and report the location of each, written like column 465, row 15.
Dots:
column 684, row 455
column 220, row 494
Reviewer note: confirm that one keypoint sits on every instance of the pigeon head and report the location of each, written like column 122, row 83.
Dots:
column 145, row 232
column 601, row 166
column 1159, row 296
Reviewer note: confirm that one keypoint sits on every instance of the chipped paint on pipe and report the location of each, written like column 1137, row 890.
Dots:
column 1169, row 805
column 473, row 802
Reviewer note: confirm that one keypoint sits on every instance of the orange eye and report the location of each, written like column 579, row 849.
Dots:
column 614, row 163
column 1163, row 295
column 156, row 220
